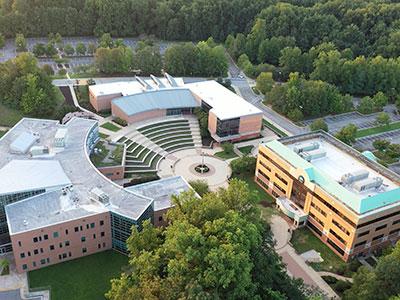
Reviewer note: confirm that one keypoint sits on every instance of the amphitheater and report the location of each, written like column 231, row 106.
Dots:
column 166, row 147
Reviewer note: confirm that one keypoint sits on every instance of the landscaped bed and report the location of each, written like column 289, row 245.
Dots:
column 379, row 129
column 269, row 125
column 110, row 126
column 86, row 278
column 225, row 155
column 246, row 150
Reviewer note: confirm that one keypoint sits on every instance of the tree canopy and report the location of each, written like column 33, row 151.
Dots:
column 216, row 247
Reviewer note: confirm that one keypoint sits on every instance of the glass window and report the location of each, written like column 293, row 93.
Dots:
column 35, row 239
column 102, row 233
column 46, row 237
column 55, row 234
column 84, row 250
column 24, row 267
column 83, row 239
column 101, row 222
column 51, row 247
column 91, row 225
column 22, row 255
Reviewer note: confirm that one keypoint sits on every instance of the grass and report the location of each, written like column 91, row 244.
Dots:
column 224, row 155
column 246, row 150
column 303, row 240
column 273, row 128
column 86, row 278
column 110, row 126
column 2, row 133
column 259, row 193
column 8, row 116
column 103, row 135
column 378, row 129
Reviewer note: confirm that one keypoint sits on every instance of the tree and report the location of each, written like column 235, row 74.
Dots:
column 50, row 50
column 2, row 41
column 20, row 42
column 91, row 49
column 48, row 69
column 69, row 50
column 39, row 49
column 34, row 97
column 319, row 124
column 377, row 284
column 264, row 82
column 227, row 147
column 203, row 255
column 347, row 134
column 381, row 145
column 383, row 119
column 200, row 186
column 106, row 41
column 366, row 105
column 80, row 49
column 380, row 100
column 148, row 60
column 243, row 165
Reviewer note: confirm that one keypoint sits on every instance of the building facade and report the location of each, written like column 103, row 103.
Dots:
column 351, row 203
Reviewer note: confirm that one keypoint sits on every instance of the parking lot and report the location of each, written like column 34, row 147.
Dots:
column 365, row 143
column 9, row 51
column 336, row 122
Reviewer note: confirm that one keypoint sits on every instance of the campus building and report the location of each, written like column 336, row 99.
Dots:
column 56, row 206
column 347, row 200
column 230, row 117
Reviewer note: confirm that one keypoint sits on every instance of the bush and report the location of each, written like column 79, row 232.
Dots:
column 245, row 164
column 200, row 186
column 62, row 72
column 142, row 179
column 340, row 286
column 329, row 279
column 319, row 124
column 120, row 121
column 48, row 70
column 227, row 147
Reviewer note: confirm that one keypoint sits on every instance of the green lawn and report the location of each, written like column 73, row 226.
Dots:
column 378, row 129
column 8, row 116
column 224, row 155
column 87, row 278
column 103, row 135
column 246, row 150
column 274, row 128
column 303, row 240
column 259, row 193
column 2, row 133
column 110, row 126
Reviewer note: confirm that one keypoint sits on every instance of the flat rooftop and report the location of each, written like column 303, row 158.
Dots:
column 225, row 103
column 74, row 161
column 156, row 99
column 127, row 88
column 162, row 190
column 326, row 161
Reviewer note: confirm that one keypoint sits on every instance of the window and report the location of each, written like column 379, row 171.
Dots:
column 29, row 253
column 36, row 251
column 55, row 234
column 83, row 239
column 41, row 250
column 76, row 229
column 35, row 239
column 337, row 236
column 59, row 256
column 394, row 231
column 69, row 254
column 66, row 243
column 281, row 178
column 24, row 267
column 104, row 244
column 46, row 237
column 64, row 255
column 51, row 247
column 80, row 227
column 22, row 255
column 34, row 264
column 342, row 228
column 101, row 222
column 19, row 243
column 42, row 261
column 363, row 233
column 102, row 233
column 396, row 222
column 48, row 260
column 91, row 225
column 94, row 236
column 380, row 227
column 98, row 246
column 84, row 250
column 377, row 237
column 160, row 218
column 60, row 245
column 360, row 244
column 66, row 231
column 87, row 226
column 317, row 208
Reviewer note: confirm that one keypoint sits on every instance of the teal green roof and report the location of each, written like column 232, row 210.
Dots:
column 332, row 187
column 369, row 155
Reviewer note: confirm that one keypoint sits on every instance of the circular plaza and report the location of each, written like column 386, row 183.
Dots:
column 196, row 164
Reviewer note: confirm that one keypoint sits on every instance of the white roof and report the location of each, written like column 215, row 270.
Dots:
column 126, row 88
column 28, row 175
column 23, row 142
column 225, row 104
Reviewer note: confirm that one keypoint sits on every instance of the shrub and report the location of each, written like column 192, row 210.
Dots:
column 227, row 147
column 319, row 124
column 48, row 69
column 200, row 186
column 120, row 121
column 62, row 72
column 245, row 164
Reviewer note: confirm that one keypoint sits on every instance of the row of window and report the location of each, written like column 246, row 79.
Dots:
column 378, row 228
column 316, row 219
column 42, row 262
column 317, row 208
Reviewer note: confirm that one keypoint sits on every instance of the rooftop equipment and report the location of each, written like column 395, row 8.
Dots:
column 367, row 184
column 98, row 195
column 145, row 85
column 309, row 156
column 157, row 81
column 24, row 142
column 171, row 80
column 306, row 147
column 349, row 178
column 60, row 137
column 39, row 150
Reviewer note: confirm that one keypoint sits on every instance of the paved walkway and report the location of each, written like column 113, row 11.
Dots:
column 183, row 162
column 295, row 264
column 338, row 277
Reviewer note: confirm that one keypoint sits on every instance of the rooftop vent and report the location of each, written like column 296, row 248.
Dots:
column 98, row 195
column 309, row 156
column 349, row 178
column 367, row 184
column 306, row 147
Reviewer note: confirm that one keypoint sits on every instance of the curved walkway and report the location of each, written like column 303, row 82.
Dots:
column 338, row 277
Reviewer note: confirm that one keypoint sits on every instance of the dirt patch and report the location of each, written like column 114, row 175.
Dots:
column 67, row 95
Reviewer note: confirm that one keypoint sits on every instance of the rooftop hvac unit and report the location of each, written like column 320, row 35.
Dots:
column 309, row 156
column 60, row 137
column 306, row 147
column 349, row 178
column 39, row 150
column 98, row 195
column 367, row 184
